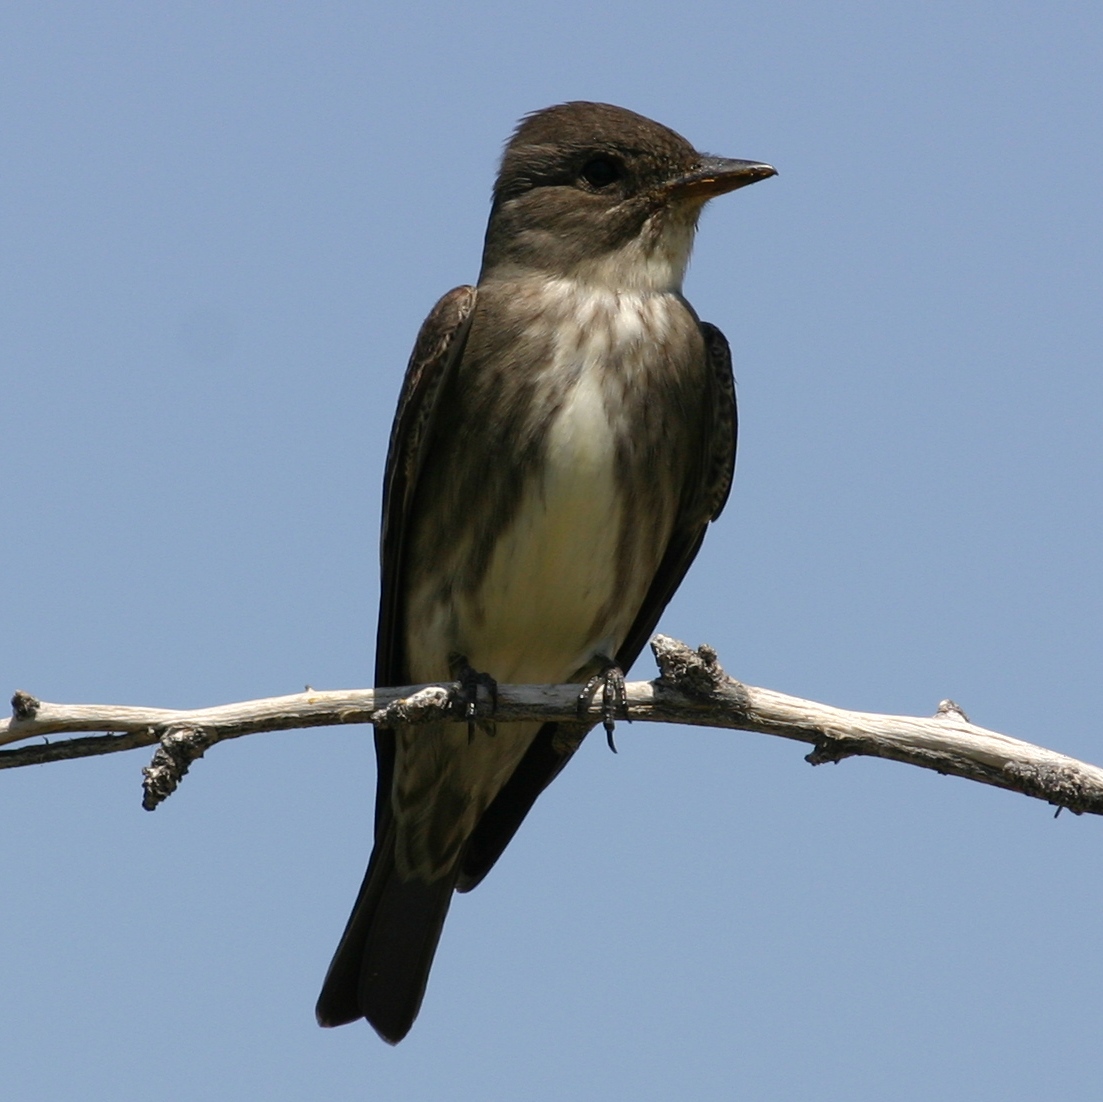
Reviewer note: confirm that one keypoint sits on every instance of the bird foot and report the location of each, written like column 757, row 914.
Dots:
column 614, row 697
column 466, row 692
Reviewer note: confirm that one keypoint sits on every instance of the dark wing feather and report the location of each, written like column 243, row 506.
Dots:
column 556, row 742
column 437, row 350
column 718, row 441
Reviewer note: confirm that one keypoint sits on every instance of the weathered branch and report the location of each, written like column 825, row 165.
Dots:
column 691, row 689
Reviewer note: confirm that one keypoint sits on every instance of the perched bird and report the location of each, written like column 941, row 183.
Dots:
column 565, row 434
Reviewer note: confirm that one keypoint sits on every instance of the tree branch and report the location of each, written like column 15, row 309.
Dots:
column 691, row 689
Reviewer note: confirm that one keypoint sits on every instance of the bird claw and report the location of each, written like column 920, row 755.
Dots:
column 614, row 697
column 466, row 692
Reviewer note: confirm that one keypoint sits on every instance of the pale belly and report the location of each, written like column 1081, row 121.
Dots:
column 538, row 614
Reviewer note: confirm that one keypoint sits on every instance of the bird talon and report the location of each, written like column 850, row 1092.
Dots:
column 466, row 693
column 609, row 728
column 614, row 698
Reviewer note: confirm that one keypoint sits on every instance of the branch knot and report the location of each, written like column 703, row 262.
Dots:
column 1059, row 785
column 696, row 673
column 950, row 708
column 433, row 702
column 170, row 762
column 24, row 706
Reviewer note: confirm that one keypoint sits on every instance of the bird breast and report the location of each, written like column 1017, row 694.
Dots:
column 554, row 568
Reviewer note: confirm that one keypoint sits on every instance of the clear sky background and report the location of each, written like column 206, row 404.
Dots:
column 220, row 226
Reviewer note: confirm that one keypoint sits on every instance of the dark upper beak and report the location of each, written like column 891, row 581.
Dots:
column 716, row 175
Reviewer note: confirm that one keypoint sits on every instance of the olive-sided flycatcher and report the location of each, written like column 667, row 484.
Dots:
column 565, row 434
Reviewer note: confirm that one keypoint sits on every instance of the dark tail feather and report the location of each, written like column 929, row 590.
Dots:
column 382, row 964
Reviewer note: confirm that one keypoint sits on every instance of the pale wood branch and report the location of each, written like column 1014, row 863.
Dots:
column 691, row 689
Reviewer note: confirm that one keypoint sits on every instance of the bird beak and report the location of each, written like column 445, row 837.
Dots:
column 717, row 175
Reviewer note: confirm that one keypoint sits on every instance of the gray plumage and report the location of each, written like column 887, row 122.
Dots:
column 565, row 434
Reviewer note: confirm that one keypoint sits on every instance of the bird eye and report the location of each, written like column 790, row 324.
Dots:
column 600, row 172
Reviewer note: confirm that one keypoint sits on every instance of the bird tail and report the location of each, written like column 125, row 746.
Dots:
column 382, row 963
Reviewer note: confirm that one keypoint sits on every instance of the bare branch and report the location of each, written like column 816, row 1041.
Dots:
column 692, row 689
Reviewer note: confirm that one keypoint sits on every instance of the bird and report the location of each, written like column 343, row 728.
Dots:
column 565, row 434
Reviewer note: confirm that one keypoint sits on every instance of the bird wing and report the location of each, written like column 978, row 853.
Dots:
column 555, row 743
column 701, row 507
column 437, row 350
column 382, row 961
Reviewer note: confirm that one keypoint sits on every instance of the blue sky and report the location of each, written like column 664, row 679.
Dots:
column 222, row 225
